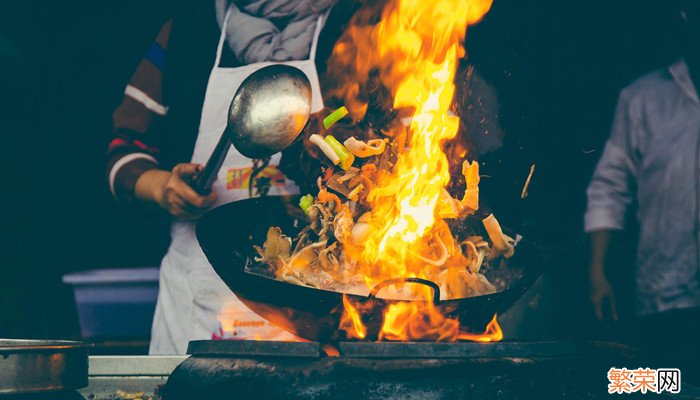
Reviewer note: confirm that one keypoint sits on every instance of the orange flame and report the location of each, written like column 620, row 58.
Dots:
column 493, row 333
column 416, row 321
column 423, row 43
column 404, row 321
column 416, row 48
column 351, row 321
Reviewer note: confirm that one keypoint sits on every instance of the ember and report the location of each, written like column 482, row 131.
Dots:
column 388, row 218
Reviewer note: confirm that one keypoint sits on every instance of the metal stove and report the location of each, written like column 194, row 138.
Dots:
column 111, row 375
column 284, row 370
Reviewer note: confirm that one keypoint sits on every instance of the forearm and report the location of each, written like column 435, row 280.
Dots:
column 132, row 151
column 600, row 242
column 124, row 169
column 602, row 294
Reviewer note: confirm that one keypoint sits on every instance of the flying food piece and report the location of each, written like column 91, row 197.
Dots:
column 334, row 117
column 502, row 244
column 362, row 149
column 524, row 193
column 325, row 148
column 346, row 157
column 470, row 201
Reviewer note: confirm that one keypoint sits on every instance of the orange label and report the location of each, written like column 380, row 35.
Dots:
column 238, row 178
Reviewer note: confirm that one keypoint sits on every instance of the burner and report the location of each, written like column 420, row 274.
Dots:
column 524, row 370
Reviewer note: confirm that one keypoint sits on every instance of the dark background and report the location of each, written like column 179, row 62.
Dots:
column 558, row 67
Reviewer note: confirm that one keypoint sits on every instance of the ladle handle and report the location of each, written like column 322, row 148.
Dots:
column 204, row 181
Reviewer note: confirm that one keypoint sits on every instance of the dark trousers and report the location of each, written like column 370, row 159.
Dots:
column 670, row 340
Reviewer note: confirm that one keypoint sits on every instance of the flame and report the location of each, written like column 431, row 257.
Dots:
column 330, row 350
column 404, row 321
column 416, row 321
column 493, row 333
column 423, row 41
column 410, row 321
column 351, row 321
column 414, row 49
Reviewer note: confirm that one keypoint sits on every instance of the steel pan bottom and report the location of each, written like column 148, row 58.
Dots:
column 36, row 366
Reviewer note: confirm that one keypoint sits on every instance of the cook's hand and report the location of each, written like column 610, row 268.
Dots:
column 172, row 192
column 603, row 297
column 177, row 196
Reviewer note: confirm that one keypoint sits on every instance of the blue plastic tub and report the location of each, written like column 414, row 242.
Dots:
column 115, row 303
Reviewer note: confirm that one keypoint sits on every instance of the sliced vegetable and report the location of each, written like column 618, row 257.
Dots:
column 502, row 244
column 346, row 157
column 334, row 117
column 325, row 148
column 305, row 202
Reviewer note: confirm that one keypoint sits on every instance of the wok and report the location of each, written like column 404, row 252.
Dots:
column 227, row 235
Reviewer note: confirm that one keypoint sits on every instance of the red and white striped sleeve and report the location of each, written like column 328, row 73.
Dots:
column 131, row 152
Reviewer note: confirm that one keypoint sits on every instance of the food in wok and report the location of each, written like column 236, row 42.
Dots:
column 335, row 250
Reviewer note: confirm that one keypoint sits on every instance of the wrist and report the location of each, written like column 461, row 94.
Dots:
column 596, row 273
column 150, row 186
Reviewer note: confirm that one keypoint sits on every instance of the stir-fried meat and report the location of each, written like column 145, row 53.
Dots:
column 276, row 246
column 343, row 225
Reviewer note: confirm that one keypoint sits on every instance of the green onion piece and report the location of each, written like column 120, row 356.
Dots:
column 346, row 157
column 334, row 117
column 305, row 202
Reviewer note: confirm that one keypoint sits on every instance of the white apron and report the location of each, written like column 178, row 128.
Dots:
column 193, row 302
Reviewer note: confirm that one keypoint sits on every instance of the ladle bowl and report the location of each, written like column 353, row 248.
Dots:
column 268, row 111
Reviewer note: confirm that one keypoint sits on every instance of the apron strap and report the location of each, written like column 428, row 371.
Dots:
column 222, row 39
column 317, row 33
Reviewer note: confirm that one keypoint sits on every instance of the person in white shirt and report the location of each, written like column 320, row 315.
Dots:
column 653, row 157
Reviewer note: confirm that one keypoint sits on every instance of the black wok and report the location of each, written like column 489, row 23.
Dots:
column 227, row 235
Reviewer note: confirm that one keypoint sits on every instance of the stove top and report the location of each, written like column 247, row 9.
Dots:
column 380, row 350
column 110, row 376
column 359, row 370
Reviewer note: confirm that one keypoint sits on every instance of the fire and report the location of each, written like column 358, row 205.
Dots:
column 351, row 320
column 411, row 321
column 422, row 42
column 493, row 333
column 415, row 49
column 404, row 321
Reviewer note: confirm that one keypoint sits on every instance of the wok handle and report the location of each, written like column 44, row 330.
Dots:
column 381, row 285
column 203, row 182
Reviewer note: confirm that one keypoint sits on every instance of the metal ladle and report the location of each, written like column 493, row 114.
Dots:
column 267, row 113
